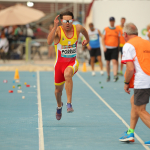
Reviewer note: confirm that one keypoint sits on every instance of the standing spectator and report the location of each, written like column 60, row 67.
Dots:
column 110, row 41
column 4, row 45
column 94, row 47
column 136, row 55
column 122, row 42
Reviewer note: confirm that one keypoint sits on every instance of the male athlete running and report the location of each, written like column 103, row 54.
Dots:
column 66, row 65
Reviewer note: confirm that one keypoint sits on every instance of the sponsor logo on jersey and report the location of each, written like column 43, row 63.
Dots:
column 68, row 51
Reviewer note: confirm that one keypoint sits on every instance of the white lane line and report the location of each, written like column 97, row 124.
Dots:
column 124, row 122
column 40, row 120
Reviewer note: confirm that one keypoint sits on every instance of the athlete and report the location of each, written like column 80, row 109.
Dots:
column 94, row 47
column 136, row 55
column 122, row 42
column 65, row 39
column 110, row 41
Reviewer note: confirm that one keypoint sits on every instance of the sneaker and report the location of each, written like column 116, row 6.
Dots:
column 127, row 137
column 58, row 113
column 116, row 78
column 93, row 73
column 102, row 72
column 121, row 74
column 108, row 79
column 69, row 108
column 147, row 143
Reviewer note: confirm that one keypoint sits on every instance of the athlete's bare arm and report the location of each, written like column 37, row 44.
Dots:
column 100, row 34
column 103, row 43
column 84, row 32
column 53, row 35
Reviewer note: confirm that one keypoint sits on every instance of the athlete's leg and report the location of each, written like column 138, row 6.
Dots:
column 92, row 62
column 68, row 73
column 134, row 115
column 121, row 65
column 108, row 67
column 58, row 94
column 115, row 66
column 100, row 62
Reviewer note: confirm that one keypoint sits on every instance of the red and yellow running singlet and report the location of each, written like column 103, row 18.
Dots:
column 66, row 53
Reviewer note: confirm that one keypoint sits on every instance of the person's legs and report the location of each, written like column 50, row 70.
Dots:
column 108, row 67
column 92, row 62
column 100, row 62
column 68, row 73
column 58, row 94
column 121, row 73
column 144, row 115
column 134, row 115
column 115, row 66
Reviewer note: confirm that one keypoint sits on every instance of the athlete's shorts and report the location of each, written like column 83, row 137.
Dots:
column 111, row 54
column 60, row 68
column 141, row 96
column 94, row 52
column 120, row 50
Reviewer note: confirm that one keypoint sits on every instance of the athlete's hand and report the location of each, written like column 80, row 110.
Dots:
column 85, row 42
column 56, row 21
column 126, row 88
column 89, row 47
column 105, row 49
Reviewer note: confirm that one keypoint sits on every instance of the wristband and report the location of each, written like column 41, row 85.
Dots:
column 126, row 82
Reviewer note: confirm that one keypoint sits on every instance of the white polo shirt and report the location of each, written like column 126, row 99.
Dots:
column 142, row 80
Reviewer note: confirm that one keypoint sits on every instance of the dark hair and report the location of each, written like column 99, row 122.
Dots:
column 91, row 24
column 67, row 13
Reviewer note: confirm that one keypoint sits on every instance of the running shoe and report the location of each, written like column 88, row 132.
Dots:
column 93, row 73
column 116, row 78
column 121, row 74
column 108, row 79
column 147, row 143
column 102, row 72
column 59, row 112
column 69, row 108
column 127, row 137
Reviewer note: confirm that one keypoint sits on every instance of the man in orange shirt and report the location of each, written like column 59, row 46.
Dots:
column 110, row 41
column 122, row 42
column 136, row 56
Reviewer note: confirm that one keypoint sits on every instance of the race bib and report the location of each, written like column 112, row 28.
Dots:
column 68, row 51
column 93, row 37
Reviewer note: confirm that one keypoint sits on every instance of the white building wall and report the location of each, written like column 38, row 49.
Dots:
column 137, row 12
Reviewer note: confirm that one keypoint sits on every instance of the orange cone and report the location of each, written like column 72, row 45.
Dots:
column 16, row 75
column 84, row 67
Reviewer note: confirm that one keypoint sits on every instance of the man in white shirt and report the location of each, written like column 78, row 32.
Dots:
column 136, row 56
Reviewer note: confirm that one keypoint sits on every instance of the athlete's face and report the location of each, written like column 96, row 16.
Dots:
column 91, row 27
column 67, row 22
column 123, row 21
column 112, row 23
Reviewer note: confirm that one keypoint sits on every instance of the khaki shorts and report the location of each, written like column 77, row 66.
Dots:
column 141, row 96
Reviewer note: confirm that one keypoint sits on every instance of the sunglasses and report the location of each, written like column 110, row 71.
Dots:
column 65, row 21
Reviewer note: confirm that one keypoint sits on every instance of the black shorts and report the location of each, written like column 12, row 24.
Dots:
column 111, row 54
column 141, row 96
column 120, row 50
column 94, row 52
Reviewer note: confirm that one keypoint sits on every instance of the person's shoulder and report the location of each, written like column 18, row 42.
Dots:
column 128, row 47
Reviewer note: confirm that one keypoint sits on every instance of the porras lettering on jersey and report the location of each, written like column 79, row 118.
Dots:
column 68, row 51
